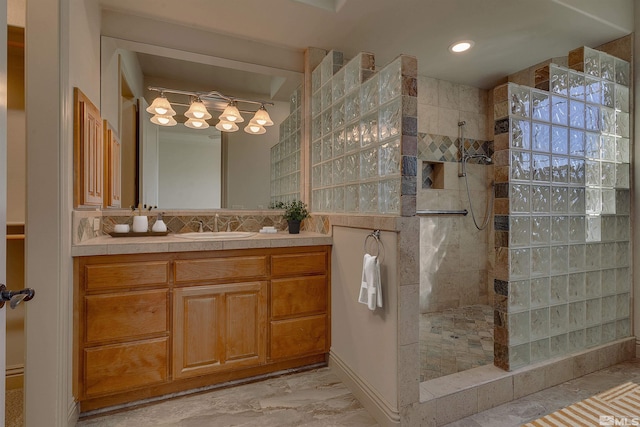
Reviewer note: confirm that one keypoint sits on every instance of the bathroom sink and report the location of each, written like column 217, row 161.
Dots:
column 211, row 235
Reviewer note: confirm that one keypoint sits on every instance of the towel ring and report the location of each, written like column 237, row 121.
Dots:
column 379, row 246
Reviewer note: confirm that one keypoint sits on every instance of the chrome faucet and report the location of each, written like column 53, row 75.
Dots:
column 200, row 225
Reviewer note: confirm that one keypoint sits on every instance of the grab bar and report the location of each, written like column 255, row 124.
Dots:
column 442, row 212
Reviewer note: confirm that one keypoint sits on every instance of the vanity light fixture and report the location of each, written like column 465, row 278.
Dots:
column 461, row 46
column 201, row 102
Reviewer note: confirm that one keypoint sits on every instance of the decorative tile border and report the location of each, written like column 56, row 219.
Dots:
column 442, row 148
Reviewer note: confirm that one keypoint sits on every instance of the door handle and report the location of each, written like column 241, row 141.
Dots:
column 15, row 297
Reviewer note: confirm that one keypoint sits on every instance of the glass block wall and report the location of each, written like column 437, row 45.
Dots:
column 363, row 135
column 285, row 155
column 562, row 210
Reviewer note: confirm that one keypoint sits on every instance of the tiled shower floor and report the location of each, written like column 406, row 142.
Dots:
column 455, row 340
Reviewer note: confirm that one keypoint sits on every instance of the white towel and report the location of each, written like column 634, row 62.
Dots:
column 370, row 288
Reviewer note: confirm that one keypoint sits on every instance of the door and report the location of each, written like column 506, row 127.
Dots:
column 3, row 196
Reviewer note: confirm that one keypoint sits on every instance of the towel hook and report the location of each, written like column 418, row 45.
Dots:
column 379, row 246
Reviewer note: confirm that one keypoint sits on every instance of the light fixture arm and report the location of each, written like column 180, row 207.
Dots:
column 214, row 94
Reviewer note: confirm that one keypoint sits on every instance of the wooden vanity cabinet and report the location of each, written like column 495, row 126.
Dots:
column 153, row 324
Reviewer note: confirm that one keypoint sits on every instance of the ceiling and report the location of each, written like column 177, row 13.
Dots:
column 509, row 35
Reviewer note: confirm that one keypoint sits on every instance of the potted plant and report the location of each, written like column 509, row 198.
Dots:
column 294, row 212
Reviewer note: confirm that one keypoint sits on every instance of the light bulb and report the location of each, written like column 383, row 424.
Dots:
column 163, row 120
column 161, row 107
column 262, row 117
column 226, row 126
column 196, row 124
column 197, row 110
column 254, row 129
column 231, row 114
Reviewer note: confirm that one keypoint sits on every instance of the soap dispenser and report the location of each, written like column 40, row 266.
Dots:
column 159, row 226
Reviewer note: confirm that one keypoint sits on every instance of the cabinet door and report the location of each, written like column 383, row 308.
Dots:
column 112, row 167
column 89, row 152
column 218, row 327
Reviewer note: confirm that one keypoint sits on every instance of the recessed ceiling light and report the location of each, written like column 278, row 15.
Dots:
column 461, row 46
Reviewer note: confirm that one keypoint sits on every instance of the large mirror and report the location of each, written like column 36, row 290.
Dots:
column 178, row 167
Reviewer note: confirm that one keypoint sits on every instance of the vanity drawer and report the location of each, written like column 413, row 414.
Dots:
column 122, row 367
column 302, row 263
column 125, row 275
column 205, row 270
column 298, row 337
column 126, row 315
column 298, row 296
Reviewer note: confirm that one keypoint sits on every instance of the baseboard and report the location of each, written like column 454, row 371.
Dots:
column 379, row 409
column 14, row 377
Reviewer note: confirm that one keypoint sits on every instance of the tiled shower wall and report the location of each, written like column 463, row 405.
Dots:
column 285, row 155
column 562, row 210
column 455, row 262
column 363, row 135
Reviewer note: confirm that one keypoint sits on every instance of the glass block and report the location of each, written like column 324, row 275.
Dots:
column 608, row 332
column 369, row 94
column 391, row 81
column 607, row 67
column 621, row 101
column 541, row 137
column 593, row 90
column 339, row 138
column 608, row 201
column 518, row 296
column 353, row 137
column 593, row 202
column 559, row 140
column 316, row 127
column 577, row 315
column 608, row 148
column 520, row 101
column 608, row 281
column 559, row 259
column 316, row 79
column 353, row 74
column 368, row 164
column 316, row 152
column 559, row 110
column 520, row 197
column 519, row 328
column 623, row 280
column 558, row 345
column 576, row 229
column 622, row 70
column 558, row 318
column 622, row 175
column 539, row 292
column 539, row 350
column 622, row 124
column 389, row 198
column 594, row 228
column 576, row 143
column 327, row 148
column 369, row 197
column 608, row 255
column 541, row 107
column 593, row 284
column 622, row 228
column 369, row 130
column 622, row 150
column 623, row 328
column 338, row 199
column 576, row 287
column 327, row 205
column 576, row 260
column 622, row 306
column 352, row 106
column 338, row 170
column 316, row 200
column 576, row 171
column 519, row 263
column 337, row 85
column 609, row 308
column 576, row 85
column 592, row 62
column 389, row 157
column 519, row 356
column 316, row 104
column 540, row 262
column 592, row 173
column 540, row 198
column 327, row 98
column 622, row 254
column 576, row 114
column 338, row 115
column 560, row 169
column 559, row 199
column 351, row 198
column 520, row 134
column 559, row 80
column 558, row 290
column 539, row 323
column 520, row 165
column 326, row 68
column 352, row 167
column 327, row 173
column 592, row 117
column 593, row 311
column 559, row 229
column 576, row 340
column 592, row 146
column 540, row 230
column 592, row 254
column 608, row 95
column 316, row 176
column 623, row 202
column 519, row 231
column 390, row 120
column 541, row 167
column 608, row 228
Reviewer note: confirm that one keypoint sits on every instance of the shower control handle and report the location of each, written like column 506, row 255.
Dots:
column 15, row 297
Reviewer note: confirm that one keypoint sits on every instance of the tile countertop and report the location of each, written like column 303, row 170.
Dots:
column 107, row 245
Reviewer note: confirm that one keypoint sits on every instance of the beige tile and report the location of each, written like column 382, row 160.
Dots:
column 428, row 119
column 456, row 406
column 585, row 363
column 472, row 99
column 419, row 414
column 558, row 372
column 448, row 122
column 528, row 382
column 495, row 393
column 427, row 91
column 475, row 125
column 137, row 248
column 408, row 374
column 448, row 95
column 408, row 324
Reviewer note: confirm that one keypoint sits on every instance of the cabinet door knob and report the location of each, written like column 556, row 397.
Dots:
column 15, row 297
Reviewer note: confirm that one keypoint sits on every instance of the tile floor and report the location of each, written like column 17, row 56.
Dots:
column 455, row 340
